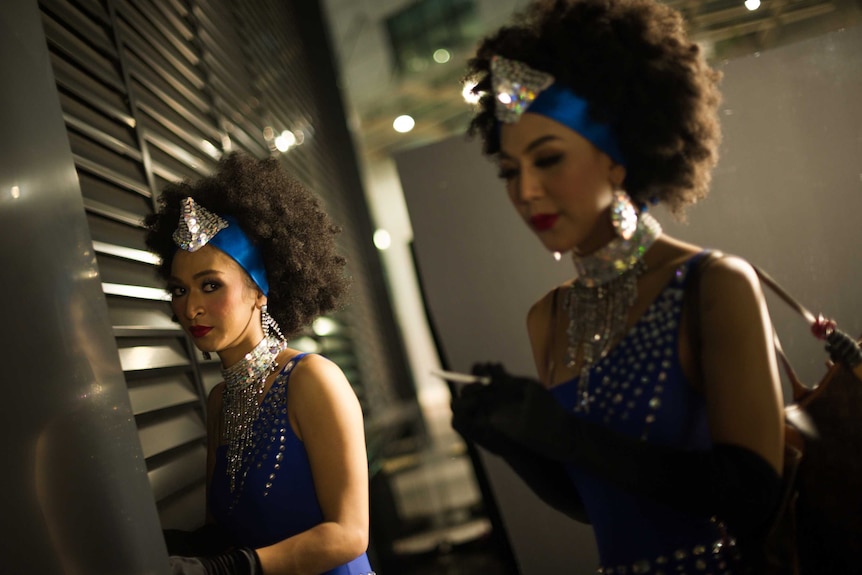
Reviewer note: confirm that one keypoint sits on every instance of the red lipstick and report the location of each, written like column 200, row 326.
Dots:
column 543, row 222
column 199, row 330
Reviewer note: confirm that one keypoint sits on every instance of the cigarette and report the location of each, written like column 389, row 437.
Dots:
column 457, row 377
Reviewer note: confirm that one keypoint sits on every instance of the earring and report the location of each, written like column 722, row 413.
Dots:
column 207, row 355
column 557, row 256
column 624, row 215
column 270, row 326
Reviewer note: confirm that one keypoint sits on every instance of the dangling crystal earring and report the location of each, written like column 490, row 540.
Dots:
column 207, row 355
column 270, row 326
column 557, row 256
column 624, row 215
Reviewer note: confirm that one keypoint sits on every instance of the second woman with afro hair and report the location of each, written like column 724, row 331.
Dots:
column 657, row 413
column 249, row 259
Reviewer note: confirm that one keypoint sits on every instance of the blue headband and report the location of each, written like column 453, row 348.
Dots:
column 518, row 89
column 199, row 227
column 233, row 241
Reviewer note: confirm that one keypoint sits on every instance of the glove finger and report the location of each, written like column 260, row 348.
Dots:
column 481, row 368
column 473, row 390
column 497, row 372
column 838, row 347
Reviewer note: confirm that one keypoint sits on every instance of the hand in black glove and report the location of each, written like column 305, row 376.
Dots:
column 477, row 405
column 209, row 539
column 242, row 561
column 527, row 413
column 843, row 349
column 473, row 412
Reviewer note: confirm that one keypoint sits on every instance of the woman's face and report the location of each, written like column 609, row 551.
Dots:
column 559, row 182
column 215, row 302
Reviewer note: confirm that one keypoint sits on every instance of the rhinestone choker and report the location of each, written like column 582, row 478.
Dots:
column 599, row 300
column 244, row 383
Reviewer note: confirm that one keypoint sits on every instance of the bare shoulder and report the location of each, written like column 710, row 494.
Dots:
column 322, row 402
column 728, row 279
column 316, row 378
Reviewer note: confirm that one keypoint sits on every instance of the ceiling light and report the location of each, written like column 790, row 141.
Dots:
column 284, row 141
column 382, row 239
column 752, row 4
column 467, row 92
column 441, row 56
column 403, row 124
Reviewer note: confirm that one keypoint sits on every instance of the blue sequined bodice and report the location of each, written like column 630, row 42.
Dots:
column 275, row 498
column 639, row 390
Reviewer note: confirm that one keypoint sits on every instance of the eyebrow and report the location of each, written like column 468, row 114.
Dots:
column 197, row 275
column 532, row 145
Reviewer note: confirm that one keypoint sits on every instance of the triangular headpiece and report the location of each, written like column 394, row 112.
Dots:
column 197, row 226
column 515, row 86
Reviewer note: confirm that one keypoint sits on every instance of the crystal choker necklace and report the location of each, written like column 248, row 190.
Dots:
column 244, row 383
column 600, row 297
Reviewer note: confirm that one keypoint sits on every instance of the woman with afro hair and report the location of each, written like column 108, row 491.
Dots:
column 657, row 414
column 249, row 259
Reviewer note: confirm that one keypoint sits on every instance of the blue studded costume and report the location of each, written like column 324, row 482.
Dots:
column 639, row 390
column 275, row 498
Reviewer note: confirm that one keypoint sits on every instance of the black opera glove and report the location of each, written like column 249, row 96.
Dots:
column 728, row 480
column 842, row 348
column 241, row 561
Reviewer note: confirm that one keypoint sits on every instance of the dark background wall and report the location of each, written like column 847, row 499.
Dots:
column 787, row 195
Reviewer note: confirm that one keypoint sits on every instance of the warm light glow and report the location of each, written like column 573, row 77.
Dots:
column 324, row 326
column 16, row 192
column 505, row 98
column 467, row 93
column 284, row 141
column 752, row 4
column 403, row 124
column 441, row 56
column 382, row 239
column 210, row 149
column 306, row 344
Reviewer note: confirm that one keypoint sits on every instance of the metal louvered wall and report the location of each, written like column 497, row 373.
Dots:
column 155, row 91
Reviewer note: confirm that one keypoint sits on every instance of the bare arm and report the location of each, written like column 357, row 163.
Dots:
column 329, row 422
column 740, row 374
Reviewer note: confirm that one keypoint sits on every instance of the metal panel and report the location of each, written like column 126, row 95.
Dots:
column 184, row 511
column 179, row 473
column 151, row 356
column 153, row 394
column 169, row 432
column 74, row 490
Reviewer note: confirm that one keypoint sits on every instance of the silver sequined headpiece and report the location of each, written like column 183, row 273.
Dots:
column 197, row 226
column 515, row 86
